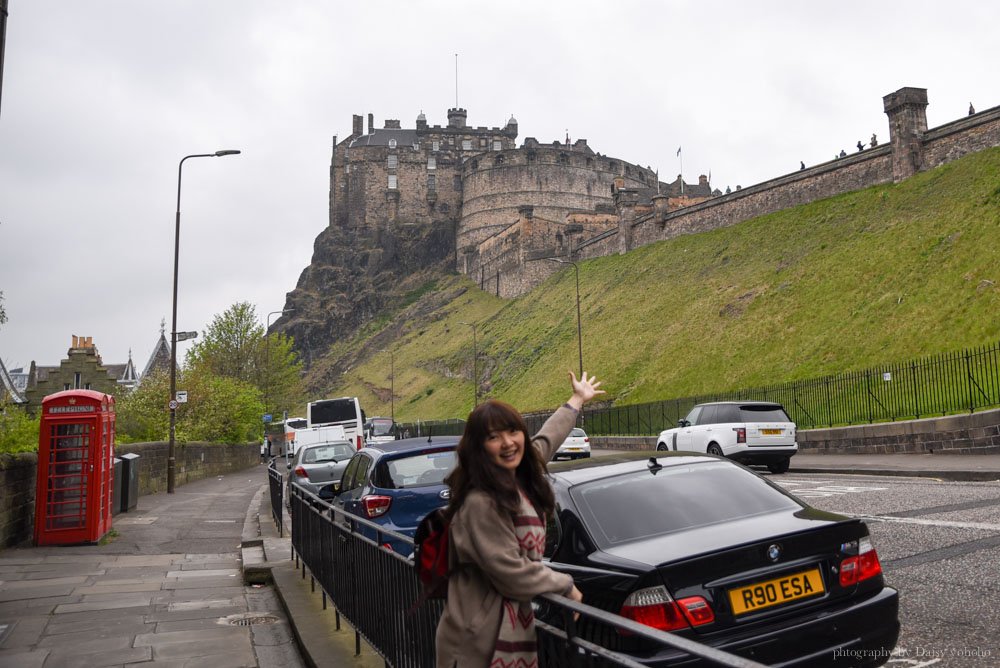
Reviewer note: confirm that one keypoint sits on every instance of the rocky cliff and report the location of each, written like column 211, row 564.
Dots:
column 358, row 275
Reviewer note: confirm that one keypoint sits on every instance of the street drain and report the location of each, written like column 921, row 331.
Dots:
column 248, row 619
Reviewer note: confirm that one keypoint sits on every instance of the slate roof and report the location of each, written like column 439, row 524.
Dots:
column 381, row 137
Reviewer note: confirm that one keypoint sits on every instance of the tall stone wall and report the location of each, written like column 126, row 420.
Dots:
column 194, row 461
column 518, row 206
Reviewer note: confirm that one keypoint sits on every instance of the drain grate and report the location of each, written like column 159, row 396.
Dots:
column 248, row 619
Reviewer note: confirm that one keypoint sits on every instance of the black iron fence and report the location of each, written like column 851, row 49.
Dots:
column 944, row 384
column 276, row 488
column 375, row 589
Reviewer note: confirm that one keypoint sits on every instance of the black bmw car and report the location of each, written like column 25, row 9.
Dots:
column 706, row 548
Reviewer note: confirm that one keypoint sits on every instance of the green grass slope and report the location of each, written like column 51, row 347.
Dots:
column 881, row 275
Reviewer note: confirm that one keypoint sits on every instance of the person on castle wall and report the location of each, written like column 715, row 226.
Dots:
column 861, row 146
column 874, row 141
column 972, row 109
column 843, row 153
column 802, row 165
column 500, row 499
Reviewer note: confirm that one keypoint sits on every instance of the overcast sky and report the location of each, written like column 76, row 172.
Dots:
column 102, row 99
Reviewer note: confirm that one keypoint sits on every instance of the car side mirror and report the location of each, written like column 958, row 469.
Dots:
column 683, row 423
column 288, row 466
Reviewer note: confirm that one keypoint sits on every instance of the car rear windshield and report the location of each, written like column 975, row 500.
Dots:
column 381, row 427
column 416, row 470
column 577, row 432
column 643, row 505
column 764, row 413
column 327, row 453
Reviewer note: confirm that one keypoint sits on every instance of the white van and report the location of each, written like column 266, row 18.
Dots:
column 343, row 411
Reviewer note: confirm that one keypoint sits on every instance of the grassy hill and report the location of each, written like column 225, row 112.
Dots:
column 880, row 275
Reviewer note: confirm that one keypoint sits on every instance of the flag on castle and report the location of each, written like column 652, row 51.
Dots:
column 678, row 150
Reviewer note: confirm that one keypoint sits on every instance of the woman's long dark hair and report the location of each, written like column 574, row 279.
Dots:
column 476, row 471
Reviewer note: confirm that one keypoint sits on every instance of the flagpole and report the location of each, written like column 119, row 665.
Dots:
column 681, row 156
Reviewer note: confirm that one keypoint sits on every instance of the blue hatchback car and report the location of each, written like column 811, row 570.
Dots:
column 395, row 484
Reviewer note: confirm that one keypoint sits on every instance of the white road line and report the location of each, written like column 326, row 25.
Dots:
column 934, row 523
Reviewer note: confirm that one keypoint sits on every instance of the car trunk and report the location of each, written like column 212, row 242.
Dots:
column 762, row 580
column 770, row 434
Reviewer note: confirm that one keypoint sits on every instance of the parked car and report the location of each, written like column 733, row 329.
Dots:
column 708, row 549
column 379, row 430
column 395, row 484
column 750, row 432
column 318, row 465
column 576, row 445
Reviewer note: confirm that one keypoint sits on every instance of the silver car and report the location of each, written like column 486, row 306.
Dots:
column 320, row 464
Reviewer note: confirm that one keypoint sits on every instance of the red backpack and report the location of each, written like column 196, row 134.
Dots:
column 430, row 556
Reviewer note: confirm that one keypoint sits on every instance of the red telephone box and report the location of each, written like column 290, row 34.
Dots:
column 75, row 467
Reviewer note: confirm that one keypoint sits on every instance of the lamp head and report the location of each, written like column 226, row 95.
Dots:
column 219, row 154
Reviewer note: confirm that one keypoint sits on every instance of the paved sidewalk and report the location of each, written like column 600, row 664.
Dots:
column 941, row 466
column 167, row 590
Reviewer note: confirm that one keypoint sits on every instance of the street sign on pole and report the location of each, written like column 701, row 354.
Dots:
column 267, row 417
column 172, row 404
column 181, row 396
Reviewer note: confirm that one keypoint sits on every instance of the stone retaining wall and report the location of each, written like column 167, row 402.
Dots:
column 194, row 461
column 969, row 434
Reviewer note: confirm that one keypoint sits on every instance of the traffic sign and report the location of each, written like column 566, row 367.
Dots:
column 267, row 417
column 182, row 396
column 173, row 404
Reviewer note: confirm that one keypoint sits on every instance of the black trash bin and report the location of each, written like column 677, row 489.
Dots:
column 130, row 481
column 116, row 490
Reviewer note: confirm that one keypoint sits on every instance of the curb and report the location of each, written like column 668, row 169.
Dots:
column 954, row 476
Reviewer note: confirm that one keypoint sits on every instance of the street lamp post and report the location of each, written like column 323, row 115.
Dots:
column 392, row 384
column 267, row 354
column 475, row 365
column 579, row 329
column 171, row 462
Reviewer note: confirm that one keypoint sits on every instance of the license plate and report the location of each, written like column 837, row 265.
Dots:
column 766, row 594
column 771, row 432
column 572, row 449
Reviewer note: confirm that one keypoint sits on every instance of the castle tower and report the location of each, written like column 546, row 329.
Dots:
column 907, row 112
column 456, row 118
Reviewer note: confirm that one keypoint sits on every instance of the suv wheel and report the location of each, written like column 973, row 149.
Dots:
column 714, row 449
column 661, row 446
column 779, row 467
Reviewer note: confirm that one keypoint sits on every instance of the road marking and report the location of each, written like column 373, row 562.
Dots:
column 826, row 490
column 932, row 523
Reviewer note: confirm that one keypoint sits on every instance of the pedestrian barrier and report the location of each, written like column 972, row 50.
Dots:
column 276, row 488
column 374, row 588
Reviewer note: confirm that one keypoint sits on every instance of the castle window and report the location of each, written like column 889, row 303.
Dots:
column 66, row 386
column 431, row 182
column 498, row 160
column 628, row 170
column 475, row 164
column 416, row 146
column 392, row 143
column 393, row 161
column 392, row 182
column 590, row 162
column 563, row 159
column 347, row 169
column 466, row 144
column 76, row 380
column 497, row 146
column 482, row 142
column 435, row 145
column 531, row 156
column 431, row 162
column 456, row 182
column 613, row 166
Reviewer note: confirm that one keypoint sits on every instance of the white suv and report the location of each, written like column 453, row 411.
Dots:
column 750, row 432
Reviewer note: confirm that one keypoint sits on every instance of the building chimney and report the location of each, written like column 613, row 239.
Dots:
column 392, row 124
column 359, row 126
column 371, row 123
column 702, row 180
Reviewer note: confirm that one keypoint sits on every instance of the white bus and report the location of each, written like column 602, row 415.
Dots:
column 343, row 411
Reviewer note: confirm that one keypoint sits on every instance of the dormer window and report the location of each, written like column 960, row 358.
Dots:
column 392, row 143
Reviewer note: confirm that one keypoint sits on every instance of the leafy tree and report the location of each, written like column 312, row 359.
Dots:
column 230, row 345
column 142, row 414
column 236, row 346
column 18, row 430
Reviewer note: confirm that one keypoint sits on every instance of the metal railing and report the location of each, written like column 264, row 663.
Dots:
column 375, row 589
column 944, row 384
column 276, row 489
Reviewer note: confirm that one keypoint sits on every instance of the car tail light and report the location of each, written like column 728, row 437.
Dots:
column 861, row 567
column 301, row 473
column 655, row 607
column 376, row 506
column 586, row 439
column 741, row 434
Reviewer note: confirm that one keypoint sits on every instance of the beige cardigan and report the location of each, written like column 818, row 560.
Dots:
column 491, row 568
